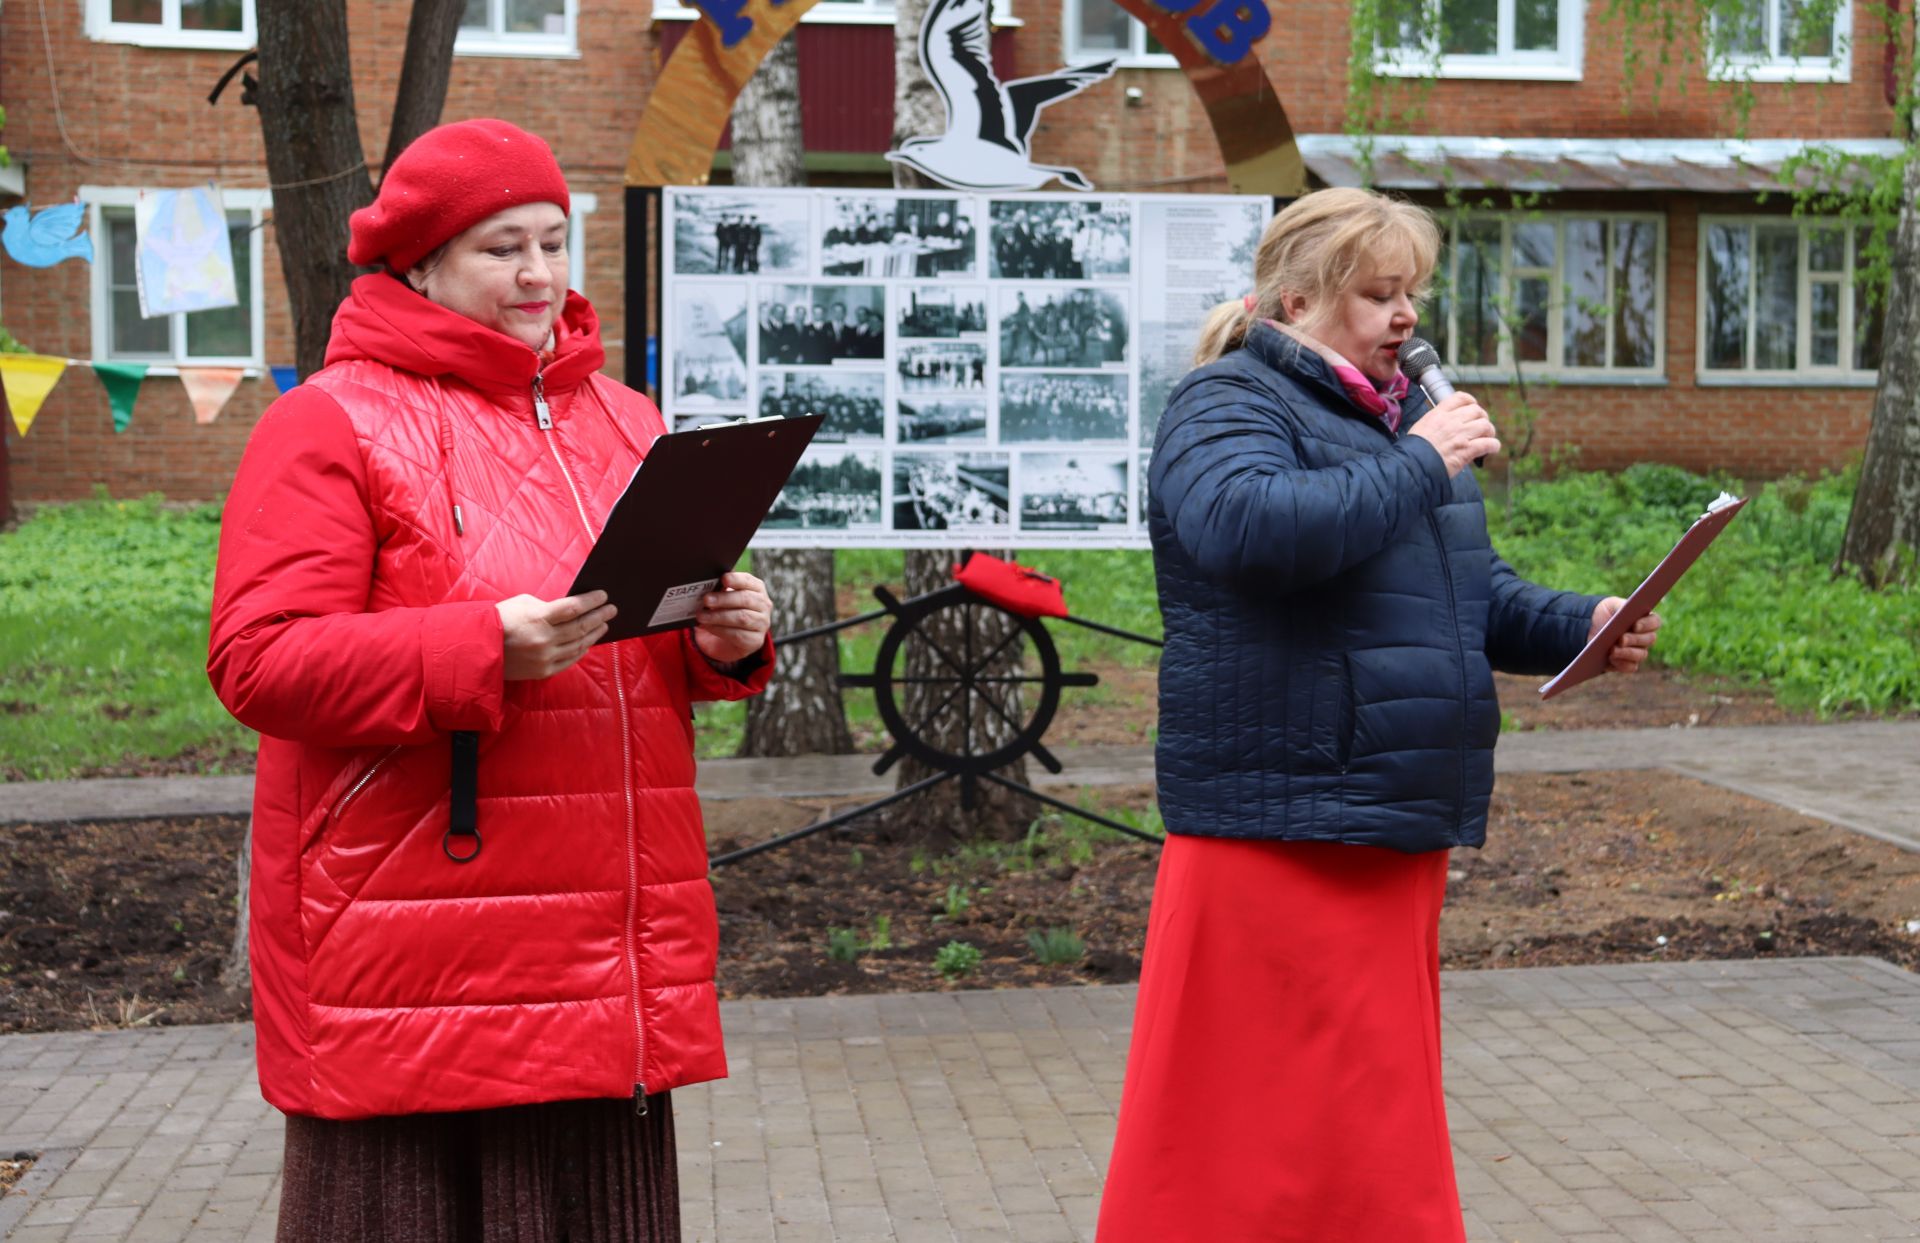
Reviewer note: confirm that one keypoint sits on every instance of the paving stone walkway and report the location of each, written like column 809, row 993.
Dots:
column 1755, row 1102
column 1862, row 775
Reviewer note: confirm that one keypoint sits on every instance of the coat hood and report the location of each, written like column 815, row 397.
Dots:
column 385, row 320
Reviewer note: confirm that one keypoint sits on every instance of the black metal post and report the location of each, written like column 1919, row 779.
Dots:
column 821, row 826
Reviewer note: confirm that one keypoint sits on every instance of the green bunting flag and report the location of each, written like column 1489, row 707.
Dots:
column 122, row 381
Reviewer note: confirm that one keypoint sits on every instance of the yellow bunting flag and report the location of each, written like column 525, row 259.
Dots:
column 208, row 388
column 28, row 379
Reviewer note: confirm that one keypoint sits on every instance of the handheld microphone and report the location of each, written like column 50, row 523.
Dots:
column 1420, row 362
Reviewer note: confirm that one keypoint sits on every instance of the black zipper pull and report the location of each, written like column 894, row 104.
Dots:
column 639, row 1100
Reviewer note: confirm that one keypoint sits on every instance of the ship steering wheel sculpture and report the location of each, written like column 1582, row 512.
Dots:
column 966, row 683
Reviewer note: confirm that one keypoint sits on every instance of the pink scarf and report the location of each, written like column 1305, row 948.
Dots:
column 1382, row 401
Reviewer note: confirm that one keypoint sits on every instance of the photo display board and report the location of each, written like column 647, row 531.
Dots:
column 992, row 367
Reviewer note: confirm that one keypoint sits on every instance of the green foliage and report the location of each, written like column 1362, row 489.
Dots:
column 958, row 900
column 956, row 958
column 843, row 944
column 881, row 937
column 1056, row 946
column 1763, row 605
column 10, row 344
column 103, row 637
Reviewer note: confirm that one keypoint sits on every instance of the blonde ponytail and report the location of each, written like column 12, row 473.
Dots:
column 1225, row 329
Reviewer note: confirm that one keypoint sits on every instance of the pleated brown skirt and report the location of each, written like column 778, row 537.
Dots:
column 565, row 1172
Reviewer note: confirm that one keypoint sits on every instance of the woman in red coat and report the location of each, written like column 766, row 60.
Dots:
column 482, row 935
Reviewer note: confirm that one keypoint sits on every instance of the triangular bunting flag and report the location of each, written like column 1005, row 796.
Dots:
column 28, row 379
column 208, row 389
column 122, row 381
column 284, row 378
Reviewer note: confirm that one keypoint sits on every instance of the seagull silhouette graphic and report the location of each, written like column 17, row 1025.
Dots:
column 985, row 146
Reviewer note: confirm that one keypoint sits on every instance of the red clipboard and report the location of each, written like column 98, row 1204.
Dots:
column 1592, row 660
column 686, row 516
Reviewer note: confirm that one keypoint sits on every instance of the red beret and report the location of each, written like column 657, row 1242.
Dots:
column 450, row 179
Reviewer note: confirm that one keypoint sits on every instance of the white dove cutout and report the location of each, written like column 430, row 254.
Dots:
column 985, row 146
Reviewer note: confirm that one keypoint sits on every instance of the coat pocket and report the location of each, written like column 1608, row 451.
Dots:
column 1330, row 730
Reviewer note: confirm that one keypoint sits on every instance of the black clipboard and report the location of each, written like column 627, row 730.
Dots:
column 686, row 516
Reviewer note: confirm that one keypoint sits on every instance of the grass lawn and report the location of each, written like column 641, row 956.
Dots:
column 103, row 612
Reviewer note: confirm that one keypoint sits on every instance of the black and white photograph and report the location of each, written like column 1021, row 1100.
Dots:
column 693, row 422
column 941, row 420
column 945, row 491
column 938, row 311
column 881, row 236
column 709, row 347
column 853, row 401
column 1073, row 491
column 1037, row 406
column 745, row 234
column 830, row 490
column 942, row 367
column 1048, row 326
column 813, row 325
column 1076, row 240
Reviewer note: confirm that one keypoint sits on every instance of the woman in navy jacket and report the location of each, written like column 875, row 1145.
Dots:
column 1334, row 612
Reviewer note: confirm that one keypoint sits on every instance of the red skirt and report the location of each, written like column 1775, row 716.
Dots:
column 1283, row 1084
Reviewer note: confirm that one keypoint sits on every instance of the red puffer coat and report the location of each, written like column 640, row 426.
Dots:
column 354, row 627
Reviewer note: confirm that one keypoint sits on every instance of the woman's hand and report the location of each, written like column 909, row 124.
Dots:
column 543, row 637
column 733, row 622
column 1631, row 651
column 1460, row 430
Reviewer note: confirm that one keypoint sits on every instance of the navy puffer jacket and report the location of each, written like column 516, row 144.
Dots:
column 1333, row 615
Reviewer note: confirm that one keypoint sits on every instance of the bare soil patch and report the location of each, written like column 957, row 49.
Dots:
column 126, row 924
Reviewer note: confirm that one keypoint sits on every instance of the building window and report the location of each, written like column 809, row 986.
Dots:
column 1102, row 30
column 546, row 28
column 1782, row 41
column 1572, row 295
column 172, row 23
column 1778, row 300
column 583, row 205
column 1481, row 38
column 230, row 336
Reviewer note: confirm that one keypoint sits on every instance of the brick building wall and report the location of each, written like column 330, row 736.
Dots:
column 141, row 118
column 141, row 114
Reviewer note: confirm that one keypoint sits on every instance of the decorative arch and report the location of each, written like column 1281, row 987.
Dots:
column 680, row 129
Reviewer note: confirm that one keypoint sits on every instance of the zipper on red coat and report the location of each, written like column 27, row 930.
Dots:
column 544, row 418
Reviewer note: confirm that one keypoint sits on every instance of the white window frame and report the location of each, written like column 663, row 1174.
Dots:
column 495, row 41
column 101, row 28
column 1553, row 368
column 1136, row 55
column 1775, row 68
column 98, row 198
column 1562, row 65
column 1804, row 372
column 582, row 206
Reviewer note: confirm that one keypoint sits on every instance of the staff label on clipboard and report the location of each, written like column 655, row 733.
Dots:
column 682, row 602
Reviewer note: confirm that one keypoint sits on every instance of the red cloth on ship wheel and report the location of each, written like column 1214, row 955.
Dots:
column 1013, row 587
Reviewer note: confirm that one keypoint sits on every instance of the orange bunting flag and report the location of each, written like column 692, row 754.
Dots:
column 28, row 378
column 208, row 388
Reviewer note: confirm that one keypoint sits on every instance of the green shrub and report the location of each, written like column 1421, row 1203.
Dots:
column 1762, row 605
column 955, row 959
column 843, row 944
column 1056, row 946
column 881, row 938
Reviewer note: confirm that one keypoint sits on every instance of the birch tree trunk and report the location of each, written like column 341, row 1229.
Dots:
column 800, row 711
column 1882, row 543
column 937, row 816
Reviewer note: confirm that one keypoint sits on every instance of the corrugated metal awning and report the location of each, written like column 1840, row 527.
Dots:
column 1701, row 165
